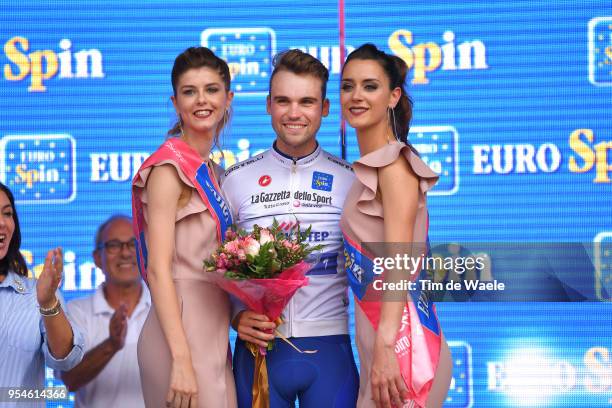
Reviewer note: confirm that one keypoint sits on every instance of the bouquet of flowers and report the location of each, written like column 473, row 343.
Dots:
column 261, row 254
column 263, row 269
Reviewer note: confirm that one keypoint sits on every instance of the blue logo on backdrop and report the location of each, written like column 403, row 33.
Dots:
column 602, row 245
column 439, row 148
column 322, row 181
column 600, row 51
column 460, row 394
column 39, row 168
column 248, row 53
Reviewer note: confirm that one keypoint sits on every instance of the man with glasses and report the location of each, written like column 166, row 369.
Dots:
column 111, row 320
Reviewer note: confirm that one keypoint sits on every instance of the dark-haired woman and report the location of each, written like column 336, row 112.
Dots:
column 387, row 203
column 33, row 327
column 180, row 216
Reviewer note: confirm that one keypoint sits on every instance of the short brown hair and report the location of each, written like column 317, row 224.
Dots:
column 300, row 63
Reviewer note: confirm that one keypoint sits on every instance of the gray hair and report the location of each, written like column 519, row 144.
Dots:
column 102, row 227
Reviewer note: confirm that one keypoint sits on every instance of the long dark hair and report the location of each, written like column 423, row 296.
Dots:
column 13, row 259
column 193, row 58
column 395, row 68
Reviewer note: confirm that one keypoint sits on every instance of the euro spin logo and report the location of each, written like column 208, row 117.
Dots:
column 322, row 181
column 438, row 146
column 248, row 53
column 460, row 393
column 589, row 155
column 602, row 249
column 43, row 65
column 535, row 376
column 121, row 167
column 424, row 58
column 600, row 51
column 39, row 169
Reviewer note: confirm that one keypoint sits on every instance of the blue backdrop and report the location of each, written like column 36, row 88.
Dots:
column 512, row 108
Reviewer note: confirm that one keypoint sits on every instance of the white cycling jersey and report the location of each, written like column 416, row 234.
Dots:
column 310, row 190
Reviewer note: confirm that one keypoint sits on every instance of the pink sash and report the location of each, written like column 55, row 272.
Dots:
column 419, row 338
column 198, row 173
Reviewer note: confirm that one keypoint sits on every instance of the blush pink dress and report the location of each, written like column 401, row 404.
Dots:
column 362, row 221
column 205, row 312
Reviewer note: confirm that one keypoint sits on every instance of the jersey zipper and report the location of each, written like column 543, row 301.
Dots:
column 291, row 207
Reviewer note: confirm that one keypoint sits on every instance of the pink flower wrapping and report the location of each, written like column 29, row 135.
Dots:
column 266, row 296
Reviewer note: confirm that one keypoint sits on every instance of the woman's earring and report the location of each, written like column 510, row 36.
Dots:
column 388, row 122
column 391, row 122
column 394, row 124
column 181, row 127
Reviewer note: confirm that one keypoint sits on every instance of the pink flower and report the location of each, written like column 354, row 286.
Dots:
column 241, row 255
column 221, row 263
column 291, row 246
column 251, row 246
column 265, row 236
column 232, row 247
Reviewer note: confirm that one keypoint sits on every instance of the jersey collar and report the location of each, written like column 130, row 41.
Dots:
column 288, row 161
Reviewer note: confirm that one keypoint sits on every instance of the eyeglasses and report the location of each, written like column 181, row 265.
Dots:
column 114, row 246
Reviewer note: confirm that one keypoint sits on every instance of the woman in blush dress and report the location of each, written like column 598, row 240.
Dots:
column 180, row 217
column 387, row 203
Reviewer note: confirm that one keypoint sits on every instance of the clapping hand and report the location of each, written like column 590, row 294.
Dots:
column 50, row 278
column 117, row 327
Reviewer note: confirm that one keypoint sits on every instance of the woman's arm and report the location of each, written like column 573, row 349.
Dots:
column 164, row 191
column 58, row 330
column 399, row 188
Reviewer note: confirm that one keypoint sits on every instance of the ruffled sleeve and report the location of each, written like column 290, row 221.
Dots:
column 366, row 171
column 194, row 205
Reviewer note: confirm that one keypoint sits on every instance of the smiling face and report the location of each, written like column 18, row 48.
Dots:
column 201, row 101
column 120, row 268
column 7, row 223
column 296, row 106
column 365, row 94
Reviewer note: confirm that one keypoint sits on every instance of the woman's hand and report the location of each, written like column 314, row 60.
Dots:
column 388, row 387
column 183, row 392
column 50, row 278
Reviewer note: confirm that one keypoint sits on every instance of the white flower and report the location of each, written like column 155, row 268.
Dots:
column 251, row 246
column 265, row 236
